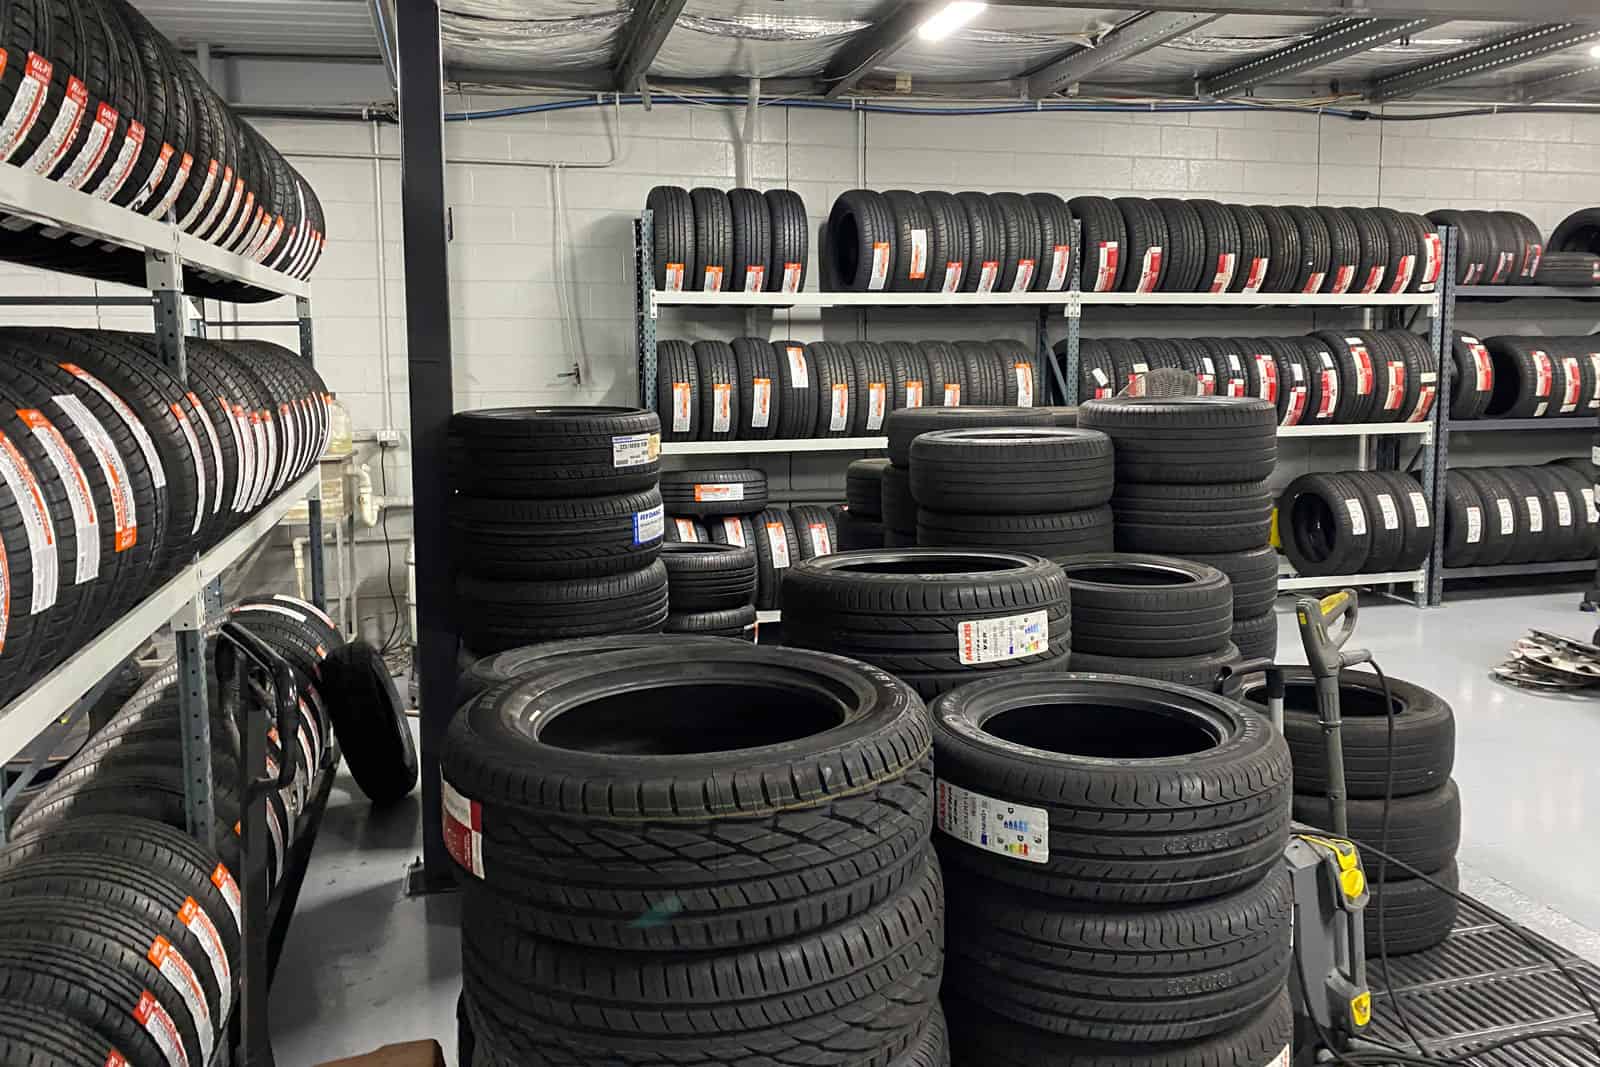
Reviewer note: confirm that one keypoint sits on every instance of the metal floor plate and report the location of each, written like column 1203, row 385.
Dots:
column 1482, row 984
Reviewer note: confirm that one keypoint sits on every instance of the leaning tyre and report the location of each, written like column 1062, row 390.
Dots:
column 370, row 722
column 1114, row 816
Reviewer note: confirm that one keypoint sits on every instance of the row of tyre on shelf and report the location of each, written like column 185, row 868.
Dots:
column 117, row 473
column 97, row 99
column 1524, row 377
column 121, row 935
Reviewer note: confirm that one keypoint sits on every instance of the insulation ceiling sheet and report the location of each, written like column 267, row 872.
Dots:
column 531, row 35
column 760, row 38
column 288, row 27
column 1001, row 43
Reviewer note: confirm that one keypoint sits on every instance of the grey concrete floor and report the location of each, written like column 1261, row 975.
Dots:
column 364, row 965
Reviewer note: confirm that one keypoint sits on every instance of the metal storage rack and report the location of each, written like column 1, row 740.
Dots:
column 34, row 722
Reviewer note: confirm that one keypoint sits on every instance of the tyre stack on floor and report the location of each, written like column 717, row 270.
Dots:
column 751, row 896
column 557, row 523
column 1191, row 482
column 711, row 589
column 1042, row 490
column 1424, row 815
column 1113, row 860
column 1356, row 522
column 722, row 507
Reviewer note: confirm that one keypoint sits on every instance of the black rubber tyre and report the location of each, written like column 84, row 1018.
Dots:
column 1472, row 377
column 1097, row 370
column 1096, row 755
column 1424, row 734
column 874, row 378
column 1395, row 373
column 1219, row 261
column 714, row 492
column 1372, row 257
column 498, row 614
column 1204, row 671
column 1287, row 255
column 712, row 271
column 845, row 809
column 776, row 551
column 1104, row 240
column 797, row 385
column 1253, row 575
column 857, row 533
column 904, row 425
column 1416, row 516
column 1146, row 249
column 1506, row 244
column 553, row 452
column 986, row 243
column 1385, row 521
column 1345, row 250
column 1256, row 638
column 815, row 530
column 1056, row 257
column 1314, row 271
column 1184, row 258
column 1405, row 249
column 1324, row 524
column 1293, row 374
column 1222, row 358
column 791, row 242
column 1011, row 471
column 860, row 252
column 735, row 530
column 1473, row 246
column 1255, row 250
column 947, row 376
column 1024, row 234
column 1534, row 523
column 985, row 384
column 935, row 618
column 863, row 481
column 1127, row 604
column 1057, row 537
column 719, row 391
column 1480, row 520
column 1357, row 399
column 709, row 577
column 1023, row 374
column 909, row 370
column 838, row 393
column 910, row 271
column 898, row 506
column 1187, row 440
column 1181, row 519
column 1571, row 492
column 674, row 236
column 752, row 241
column 490, row 672
column 1414, row 915
column 762, row 396
column 1175, row 974
column 736, row 623
column 950, row 246
column 370, row 722
column 1430, row 260
column 1575, row 269
column 584, row 537
column 1424, row 828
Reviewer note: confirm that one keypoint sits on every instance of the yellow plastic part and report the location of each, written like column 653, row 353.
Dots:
column 1333, row 600
column 1273, row 539
column 1353, row 882
column 1361, row 1009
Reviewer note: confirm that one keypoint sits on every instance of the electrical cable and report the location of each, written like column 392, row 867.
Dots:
column 388, row 555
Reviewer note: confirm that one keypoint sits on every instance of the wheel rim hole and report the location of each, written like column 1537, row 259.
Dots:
column 1146, row 576
column 1353, row 702
column 959, row 564
column 1105, row 730
column 692, row 719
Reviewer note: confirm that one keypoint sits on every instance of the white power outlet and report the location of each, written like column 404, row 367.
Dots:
column 389, row 438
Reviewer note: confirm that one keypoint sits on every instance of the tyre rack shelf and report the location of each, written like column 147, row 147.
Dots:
column 1064, row 299
column 1505, row 570
column 1417, row 579
column 1587, row 425
column 1531, row 292
column 193, row 598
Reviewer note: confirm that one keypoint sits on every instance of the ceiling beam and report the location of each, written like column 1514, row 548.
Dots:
column 1519, row 46
column 1477, row 10
column 872, row 46
column 1339, row 40
column 1569, row 83
column 642, row 39
column 1147, row 30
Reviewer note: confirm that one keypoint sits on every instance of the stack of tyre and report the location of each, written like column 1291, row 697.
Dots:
column 1044, row 490
column 1355, row 522
column 741, row 241
column 764, row 892
column 861, row 523
column 1500, row 515
column 1191, row 482
column 1525, row 377
column 1494, row 247
column 711, row 589
column 101, row 102
column 557, row 523
column 1113, row 860
column 971, row 242
column 934, row 618
column 117, row 474
column 1406, row 913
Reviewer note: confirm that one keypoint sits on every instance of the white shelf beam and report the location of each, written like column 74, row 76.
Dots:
column 52, row 695
column 1424, row 430
column 660, row 299
column 1332, row 581
column 751, row 448
column 27, row 194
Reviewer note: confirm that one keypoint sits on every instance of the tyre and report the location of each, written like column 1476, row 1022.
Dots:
column 950, row 244
column 861, row 250
column 1097, row 370
column 709, row 577
column 1147, row 242
column 815, row 530
column 490, row 672
column 856, row 533
column 874, row 377
column 762, row 395
column 1472, row 379
column 797, row 385
column 791, row 242
column 936, row 618
column 909, row 370
column 521, row 453
column 1287, row 252
column 1372, row 257
column 1344, row 249
column 838, row 841
column 1430, row 261
column 947, row 377
column 1506, row 245
column 1220, row 260
column 1104, row 240
column 1424, row 734
column 1293, row 375
column 1356, row 396
column 1203, row 671
column 1055, row 237
column 719, row 391
column 899, row 507
column 1116, row 825
column 1255, row 250
column 1058, row 537
column 1570, row 495
column 1187, row 440
column 370, row 722
column 752, row 241
column 838, row 393
column 1135, row 605
column 1024, row 239
column 1107, row 973
column 499, row 614
column 1010, row 471
column 583, row 537
column 1324, row 524
column 1184, row 255
column 1474, row 246
column 1416, row 516
column 1024, row 380
column 1253, row 575
column 685, row 531
column 776, row 551
column 1480, row 520
column 1322, row 380
column 737, row 623
column 986, row 243
column 904, row 426
column 1534, row 526
column 863, row 481
column 985, row 382
column 1182, row 519
column 1405, row 249
column 1407, row 915
column 1223, row 359
column 1314, row 271
column 1578, row 232
column 1424, row 828
column 1257, row 638
column 712, row 271
column 1575, row 269
column 912, row 224
column 1385, row 521
column 714, row 492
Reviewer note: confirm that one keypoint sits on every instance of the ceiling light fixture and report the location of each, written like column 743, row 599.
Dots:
column 949, row 19
column 1594, row 51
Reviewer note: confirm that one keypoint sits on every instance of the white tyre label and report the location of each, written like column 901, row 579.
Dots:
column 649, row 526
column 112, row 469
column 1563, row 508
column 1535, row 513
column 703, row 493
column 1508, row 516
column 682, row 407
column 1358, row 516
column 821, row 543
column 162, row 1030
column 733, row 530
column 919, row 255
column 999, row 640
column 1391, row 514
column 1474, row 524
column 778, row 543
column 880, row 267
column 839, row 414
column 1024, row 372
column 1419, row 507
column 85, row 520
column 721, row 407
column 158, row 473
column 797, row 367
column 760, row 403
column 1012, row 830
column 635, row 450
column 41, row 531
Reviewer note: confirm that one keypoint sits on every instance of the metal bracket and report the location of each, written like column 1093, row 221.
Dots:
column 164, row 277
column 194, row 715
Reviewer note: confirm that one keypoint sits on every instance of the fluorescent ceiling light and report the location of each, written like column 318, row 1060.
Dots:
column 949, row 19
column 1594, row 50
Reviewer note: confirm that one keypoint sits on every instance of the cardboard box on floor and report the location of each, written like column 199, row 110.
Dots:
column 409, row 1054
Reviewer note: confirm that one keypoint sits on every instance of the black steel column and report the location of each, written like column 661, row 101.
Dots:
column 428, row 340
